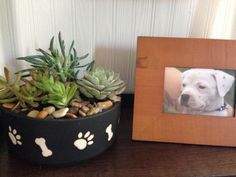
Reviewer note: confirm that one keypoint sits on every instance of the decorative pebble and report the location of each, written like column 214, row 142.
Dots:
column 105, row 104
column 93, row 111
column 96, row 110
column 116, row 98
column 85, row 103
column 50, row 109
column 60, row 113
column 82, row 113
column 76, row 104
column 85, row 109
column 73, row 110
column 8, row 105
column 71, row 116
column 33, row 113
column 90, row 106
column 42, row 114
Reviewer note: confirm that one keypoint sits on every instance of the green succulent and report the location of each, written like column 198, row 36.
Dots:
column 25, row 94
column 64, row 64
column 57, row 93
column 8, row 86
column 101, row 84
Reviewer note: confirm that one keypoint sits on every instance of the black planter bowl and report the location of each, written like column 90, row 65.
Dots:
column 60, row 141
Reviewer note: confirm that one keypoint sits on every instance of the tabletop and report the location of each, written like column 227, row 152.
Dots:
column 127, row 158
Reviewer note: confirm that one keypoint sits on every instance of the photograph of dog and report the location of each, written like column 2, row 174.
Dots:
column 199, row 91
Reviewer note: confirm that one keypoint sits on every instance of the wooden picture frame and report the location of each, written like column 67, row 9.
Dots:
column 150, row 123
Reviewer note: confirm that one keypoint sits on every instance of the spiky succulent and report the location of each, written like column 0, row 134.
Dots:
column 101, row 84
column 25, row 94
column 57, row 93
column 65, row 65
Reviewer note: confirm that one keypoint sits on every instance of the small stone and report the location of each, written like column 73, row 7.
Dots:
column 71, row 116
column 93, row 111
column 96, row 110
column 60, row 113
column 85, row 109
column 33, row 113
column 85, row 103
column 8, row 105
column 76, row 104
column 50, row 109
column 90, row 106
column 73, row 110
column 116, row 98
column 42, row 114
column 82, row 113
column 105, row 104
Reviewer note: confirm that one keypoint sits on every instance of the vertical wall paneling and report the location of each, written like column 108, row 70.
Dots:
column 180, row 14
column 108, row 29
column 5, row 45
column 122, row 50
column 83, row 26
column 104, row 23
column 162, row 18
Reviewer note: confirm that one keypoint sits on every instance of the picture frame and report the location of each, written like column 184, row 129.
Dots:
column 150, row 122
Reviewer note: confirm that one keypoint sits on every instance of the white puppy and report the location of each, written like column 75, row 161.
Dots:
column 203, row 91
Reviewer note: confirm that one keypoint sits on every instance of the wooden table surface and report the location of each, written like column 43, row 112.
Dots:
column 127, row 158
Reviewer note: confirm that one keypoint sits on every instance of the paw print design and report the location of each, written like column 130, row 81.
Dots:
column 83, row 141
column 14, row 137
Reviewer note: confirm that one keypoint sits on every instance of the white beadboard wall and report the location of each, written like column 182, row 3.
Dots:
column 108, row 29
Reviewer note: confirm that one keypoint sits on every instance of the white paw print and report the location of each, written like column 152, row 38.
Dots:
column 14, row 137
column 84, row 141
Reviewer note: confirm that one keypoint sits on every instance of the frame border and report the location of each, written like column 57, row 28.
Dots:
column 150, row 123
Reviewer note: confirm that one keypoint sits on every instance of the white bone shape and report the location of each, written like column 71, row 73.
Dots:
column 109, row 132
column 41, row 142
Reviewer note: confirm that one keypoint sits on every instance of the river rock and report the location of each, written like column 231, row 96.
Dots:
column 76, row 104
column 85, row 109
column 8, row 105
column 82, row 113
column 42, row 114
column 73, row 110
column 93, row 111
column 50, row 109
column 71, row 116
column 105, row 104
column 60, row 113
column 33, row 113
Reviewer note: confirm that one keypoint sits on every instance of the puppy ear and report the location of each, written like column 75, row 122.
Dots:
column 224, row 82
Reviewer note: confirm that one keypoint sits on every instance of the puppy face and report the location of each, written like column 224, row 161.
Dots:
column 201, row 89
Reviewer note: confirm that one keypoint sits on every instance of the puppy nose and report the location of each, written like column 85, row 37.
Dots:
column 184, row 98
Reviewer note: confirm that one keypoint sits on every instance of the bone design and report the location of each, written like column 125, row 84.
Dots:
column 109, row 132
column 41, row 142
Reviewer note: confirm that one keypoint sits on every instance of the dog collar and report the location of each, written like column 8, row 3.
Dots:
column 222, row 108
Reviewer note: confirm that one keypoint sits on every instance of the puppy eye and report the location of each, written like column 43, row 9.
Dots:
column 202, row 87
column 183, row 85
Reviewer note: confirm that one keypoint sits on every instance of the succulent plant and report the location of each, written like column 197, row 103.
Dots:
column 24, row 94
column 7, row 85
column 65, row 65
column 101, row 84
column 57, row 93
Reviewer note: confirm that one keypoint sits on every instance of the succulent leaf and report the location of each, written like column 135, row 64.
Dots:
column 101, row 84
column 63, row 64
column 58, row 93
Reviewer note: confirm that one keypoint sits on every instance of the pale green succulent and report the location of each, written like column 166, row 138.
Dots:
column 101, row 84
